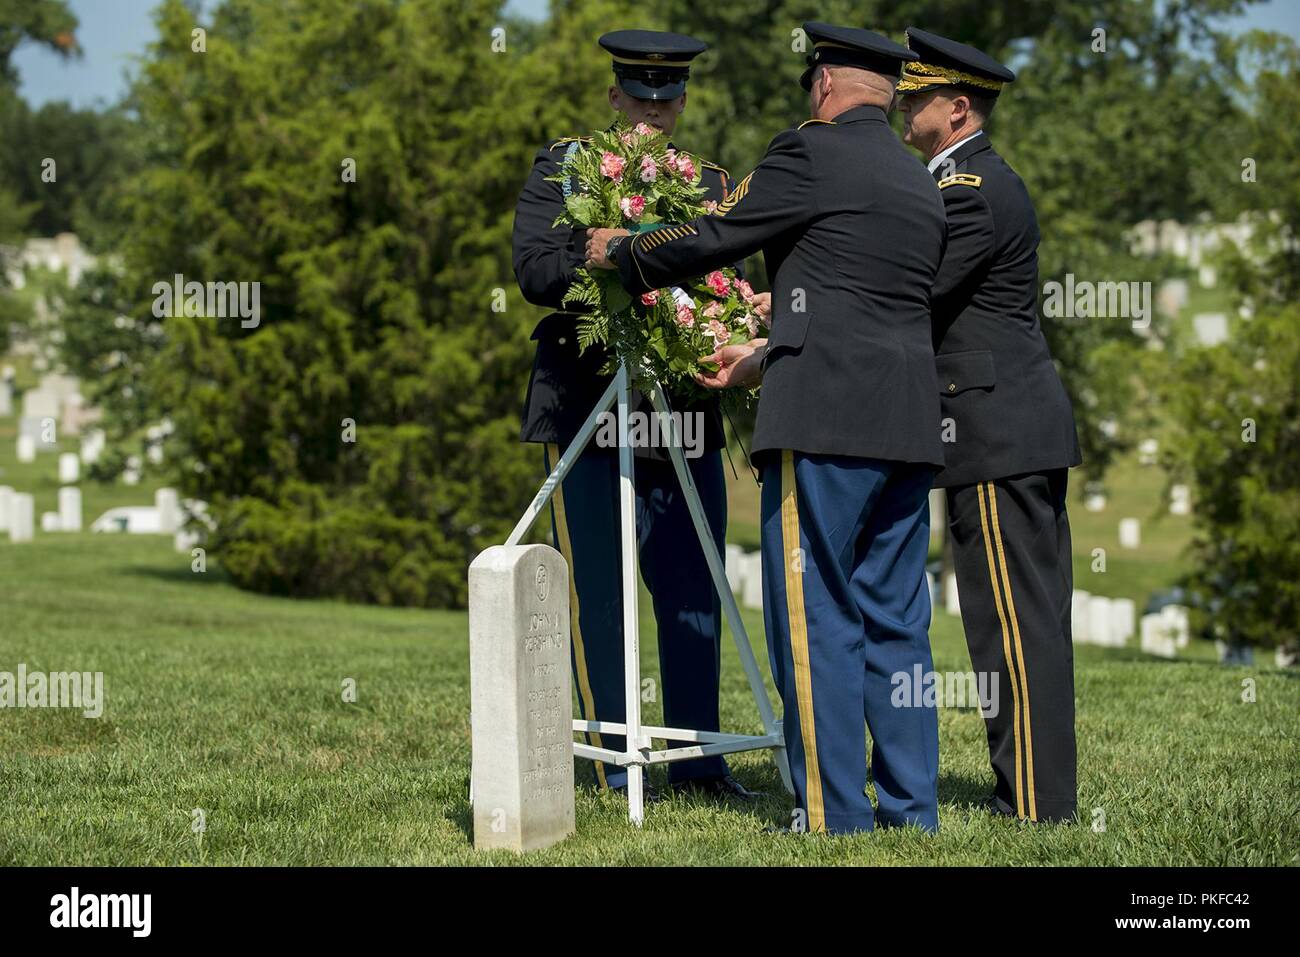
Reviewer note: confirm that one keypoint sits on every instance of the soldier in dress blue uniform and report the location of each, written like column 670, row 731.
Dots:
column 1010, row 429
column 847, row 435
column 650, row 72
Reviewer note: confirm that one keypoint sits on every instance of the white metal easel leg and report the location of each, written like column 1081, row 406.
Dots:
column 637, row 754
column 717, row 570
column 631, row 623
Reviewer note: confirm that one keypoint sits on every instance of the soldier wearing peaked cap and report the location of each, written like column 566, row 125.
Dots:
column 847, row 435
column 1009, row 429
column 650, row 74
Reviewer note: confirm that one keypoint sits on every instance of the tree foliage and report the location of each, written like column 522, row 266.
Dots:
column 1235, row 405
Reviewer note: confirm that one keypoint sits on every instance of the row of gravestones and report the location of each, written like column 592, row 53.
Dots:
column 1180, row 503
column 17, row 513
column 167, row 516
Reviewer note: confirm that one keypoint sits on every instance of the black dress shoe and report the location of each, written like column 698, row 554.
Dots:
column 721, row 787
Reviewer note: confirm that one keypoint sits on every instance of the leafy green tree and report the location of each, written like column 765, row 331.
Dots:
column 93, row 154
column 1235, row 406
column 48, row 22
column 360, row 160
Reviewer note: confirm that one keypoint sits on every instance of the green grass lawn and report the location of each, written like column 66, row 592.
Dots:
column 230, row 702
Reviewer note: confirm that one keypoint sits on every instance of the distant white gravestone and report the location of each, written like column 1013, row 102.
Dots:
column 70, row 509
column 21, row 517
column 521, row 698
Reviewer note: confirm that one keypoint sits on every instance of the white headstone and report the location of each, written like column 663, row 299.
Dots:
column 6, row 398
column 6, row 504
column 1211, row 328
column 1180, row 500
column 1155, row 639
column 41, row 404
column 69, row 468
column 1130, row 533
column 938, row 514
column 92, row 446
column 1175, row 620
column 1079, row 616
column 1147, row 450
column 734, row 577
column 1095, row 502
column 21, row 517
column 521, row 698
column 751, row 566
column 951, row 600
column 1099, row 620
column 70, row 508
column 1123, row 617
column 49, row 521
column 186, row 539
column 26, row 449
column 169, row 510
column 1172, row 295
column 131, row 473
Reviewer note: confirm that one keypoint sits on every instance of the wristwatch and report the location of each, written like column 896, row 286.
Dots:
column 612, row 246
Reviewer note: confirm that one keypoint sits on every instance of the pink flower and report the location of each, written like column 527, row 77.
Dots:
column 719, row 332
column 713, row 310
column 632, row 206
column 627, row 138
column 685, row 317
column 648, row 169
column 746, row 290
column 718, row 283
column 650, row 298
column 611, row 165
column 645, row 129
column 686, row 167
column 710, row 205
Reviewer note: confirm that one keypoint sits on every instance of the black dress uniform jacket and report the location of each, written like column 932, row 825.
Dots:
column 1010, row 413
column 566, row 384
column 852, row 231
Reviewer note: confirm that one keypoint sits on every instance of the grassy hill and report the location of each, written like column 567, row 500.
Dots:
column 231, row 703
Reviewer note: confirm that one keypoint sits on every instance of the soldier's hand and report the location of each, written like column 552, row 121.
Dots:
column 739, row 366
column 597, row 240
column 762, row 304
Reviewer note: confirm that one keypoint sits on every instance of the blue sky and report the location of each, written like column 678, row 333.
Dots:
column 113, row 31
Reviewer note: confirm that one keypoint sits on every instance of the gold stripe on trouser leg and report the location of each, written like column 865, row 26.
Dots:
column 1020, row 656
column 799, row 642
column 566, row 549
column 1006, row 649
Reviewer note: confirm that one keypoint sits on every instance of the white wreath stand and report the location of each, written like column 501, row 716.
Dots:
column 638, row 736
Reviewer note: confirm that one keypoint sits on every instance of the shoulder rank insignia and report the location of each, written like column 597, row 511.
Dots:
column 734, row 197
column 811, row 122
column 961, row 179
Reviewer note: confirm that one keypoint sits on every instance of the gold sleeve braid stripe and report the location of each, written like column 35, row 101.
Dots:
column 660, row 236
column 961, row 179
column 736, row 196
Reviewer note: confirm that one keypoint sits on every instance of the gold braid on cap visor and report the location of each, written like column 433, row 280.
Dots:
column 919, row 76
